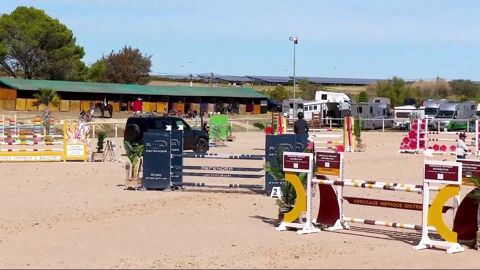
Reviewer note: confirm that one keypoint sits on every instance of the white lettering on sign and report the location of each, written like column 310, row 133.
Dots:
column 327, row 164
column 49, row 158
column 75, row 149
column 22, row 158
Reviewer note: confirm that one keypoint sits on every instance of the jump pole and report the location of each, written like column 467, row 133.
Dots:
column 435, row 172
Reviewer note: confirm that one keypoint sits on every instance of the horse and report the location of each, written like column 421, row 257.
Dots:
column 104, row 108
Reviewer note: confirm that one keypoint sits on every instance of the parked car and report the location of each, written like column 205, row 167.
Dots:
column 193, row 139
column 274, row 106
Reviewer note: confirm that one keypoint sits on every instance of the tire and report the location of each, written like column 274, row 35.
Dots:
column 202, row 146
column 132, row 133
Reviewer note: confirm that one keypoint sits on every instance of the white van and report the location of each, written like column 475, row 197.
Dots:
column 402, row 114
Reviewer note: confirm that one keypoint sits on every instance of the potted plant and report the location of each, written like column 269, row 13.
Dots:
column 230, row 136
column 135, row 155
column 475, row 243
column 357, row 133
column 102, row 135
column 216, row 134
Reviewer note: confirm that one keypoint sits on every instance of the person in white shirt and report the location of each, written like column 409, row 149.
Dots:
column 462, row 148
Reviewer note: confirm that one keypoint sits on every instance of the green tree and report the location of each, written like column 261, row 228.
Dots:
column 308, row 90
column 128, row 66
column 279, row 93
column 46, row 95
column 464, row 88
column 33, row 45
column 363, row 97
column 395, row 89
column 97, row 71
column 79, row 72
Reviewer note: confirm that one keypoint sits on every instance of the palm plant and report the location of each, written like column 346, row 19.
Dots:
column 46, row 96
column 134, row 154
column 260, row 125
column 275, row 169
column 476, row 193
column 476, row 196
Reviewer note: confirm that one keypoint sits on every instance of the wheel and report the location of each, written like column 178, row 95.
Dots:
column 202, row 146
column 132, row 133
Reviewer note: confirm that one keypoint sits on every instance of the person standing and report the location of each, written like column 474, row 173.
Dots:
column 300, row 126
column 462, row 148
column 92, row 110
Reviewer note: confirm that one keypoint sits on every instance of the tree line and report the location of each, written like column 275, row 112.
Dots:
column 396, row 89
column 305, row 91
column 34, row 45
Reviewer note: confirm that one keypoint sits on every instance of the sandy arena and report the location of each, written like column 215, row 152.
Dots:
column 74, row 215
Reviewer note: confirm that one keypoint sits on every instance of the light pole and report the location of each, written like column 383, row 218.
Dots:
column 191, row 75
column 295, row 42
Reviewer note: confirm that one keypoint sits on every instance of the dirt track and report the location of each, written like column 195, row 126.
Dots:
column 75, row 216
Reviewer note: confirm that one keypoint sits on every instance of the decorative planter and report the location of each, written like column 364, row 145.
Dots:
column 133, row 183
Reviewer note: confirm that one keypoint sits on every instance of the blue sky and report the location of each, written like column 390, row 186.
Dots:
column 353, row 39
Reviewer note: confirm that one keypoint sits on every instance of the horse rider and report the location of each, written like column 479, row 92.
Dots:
column 300, row 126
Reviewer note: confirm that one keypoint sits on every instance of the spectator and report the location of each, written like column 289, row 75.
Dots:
column 206, row 127
column 462, row 148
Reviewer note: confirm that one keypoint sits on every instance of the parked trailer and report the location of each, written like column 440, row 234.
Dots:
column 374, row 113
column 431, row 109
column 454, row 115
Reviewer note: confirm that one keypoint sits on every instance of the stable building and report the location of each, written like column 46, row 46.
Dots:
column 18, row 94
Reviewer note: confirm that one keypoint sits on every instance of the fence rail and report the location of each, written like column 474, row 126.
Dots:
column 247, row 124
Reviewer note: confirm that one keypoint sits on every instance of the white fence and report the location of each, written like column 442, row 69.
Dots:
column 245, row 124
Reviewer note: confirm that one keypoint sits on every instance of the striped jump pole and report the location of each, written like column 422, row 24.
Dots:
column 325, row 136
column 369, row 186
column 219, row 185
column 32, row 150
column 386, row 224
column 446, row 174
column 449, row 132
column 390, row 184
column 31, row 136
column 220, row 156
column 31, row 143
